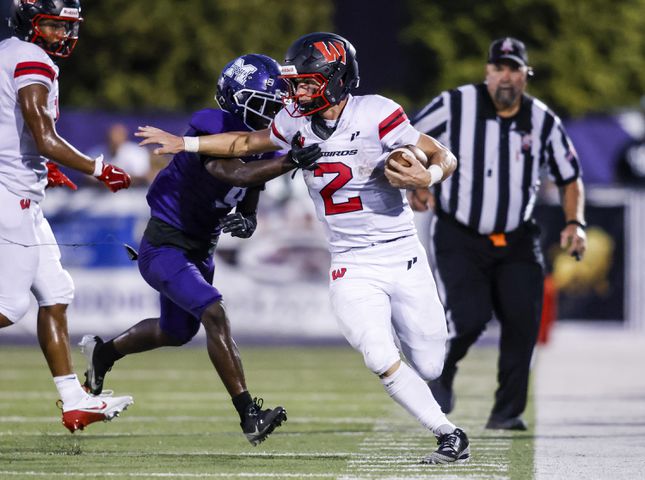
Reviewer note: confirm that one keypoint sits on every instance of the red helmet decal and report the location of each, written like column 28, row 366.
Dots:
column 332, row 51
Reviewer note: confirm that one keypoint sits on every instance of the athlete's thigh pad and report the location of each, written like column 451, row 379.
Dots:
column 18, row 253
column 53, row 284
column 361, row 303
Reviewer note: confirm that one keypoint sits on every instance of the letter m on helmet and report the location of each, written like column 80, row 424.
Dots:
column 332, row 51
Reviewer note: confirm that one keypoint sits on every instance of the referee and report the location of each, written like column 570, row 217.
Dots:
column 486, row 243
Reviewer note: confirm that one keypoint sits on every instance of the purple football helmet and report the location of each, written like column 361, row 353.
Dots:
column 250, row 87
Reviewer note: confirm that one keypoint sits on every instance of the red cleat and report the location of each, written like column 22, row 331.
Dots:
column 94, row 409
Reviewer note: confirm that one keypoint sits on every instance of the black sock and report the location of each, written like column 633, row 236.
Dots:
column 241, row 402
column 107, row 354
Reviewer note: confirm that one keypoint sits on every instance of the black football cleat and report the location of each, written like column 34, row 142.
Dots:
column 258, row 424
column 515, row 423
column 96, row 371
column 453, row 448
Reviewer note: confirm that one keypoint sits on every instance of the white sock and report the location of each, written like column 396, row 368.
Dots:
column 409, row 390
column 69, row 389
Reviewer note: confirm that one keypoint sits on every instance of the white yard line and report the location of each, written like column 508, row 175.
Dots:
column 167, row 474
column 590, row 404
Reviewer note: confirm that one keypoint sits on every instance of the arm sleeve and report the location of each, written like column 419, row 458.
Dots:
column 394, row 127
column 561, row 156
column 433, row 119
column 33, row 66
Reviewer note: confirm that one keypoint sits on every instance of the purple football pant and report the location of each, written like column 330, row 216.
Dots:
column 184, row 283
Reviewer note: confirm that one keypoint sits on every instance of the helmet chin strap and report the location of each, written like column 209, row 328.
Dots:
column 320, row 127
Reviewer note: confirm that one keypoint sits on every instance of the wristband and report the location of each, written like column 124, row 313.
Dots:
column 191, row 144
column 436, row 174
column 576, row 222
column 98, row 166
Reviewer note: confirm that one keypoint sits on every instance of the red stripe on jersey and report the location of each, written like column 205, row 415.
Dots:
column 37, row 68
column 391, row 122
column 276, row 133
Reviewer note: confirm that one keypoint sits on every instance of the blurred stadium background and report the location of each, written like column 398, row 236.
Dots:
column 147, row 62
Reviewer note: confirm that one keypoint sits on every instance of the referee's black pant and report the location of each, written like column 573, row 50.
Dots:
column 480, row 279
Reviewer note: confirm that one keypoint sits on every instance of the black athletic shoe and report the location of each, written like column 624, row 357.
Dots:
column 453, row 448
column 444, row 396
column 258, row 424
column 515, row 423
column 95, row 372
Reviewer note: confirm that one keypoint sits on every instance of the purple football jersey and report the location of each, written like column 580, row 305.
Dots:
column 185, row 195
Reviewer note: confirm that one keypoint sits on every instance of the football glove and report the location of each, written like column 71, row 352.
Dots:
column 113, row 177
column 239, row 225
column 303, row 157
column 56, row 178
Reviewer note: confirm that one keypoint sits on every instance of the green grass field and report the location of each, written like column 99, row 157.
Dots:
column 341, row 423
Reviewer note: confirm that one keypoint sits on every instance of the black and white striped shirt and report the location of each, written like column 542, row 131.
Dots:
column 499, row 160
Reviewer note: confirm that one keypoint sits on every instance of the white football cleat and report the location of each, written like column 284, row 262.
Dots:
column 93, row 409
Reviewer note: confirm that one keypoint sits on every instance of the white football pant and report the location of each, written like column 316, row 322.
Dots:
column 384, row 287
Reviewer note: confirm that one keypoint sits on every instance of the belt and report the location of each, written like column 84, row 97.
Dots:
column 160, row 233
column 498, row 239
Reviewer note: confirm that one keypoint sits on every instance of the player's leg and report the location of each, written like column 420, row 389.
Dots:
column 417, row 314
column 465, row 287
column 361, row 301
column 257, row 424
column 54, row 290
column 183, row 293
column 420, row 324
column 18, row 261
column 518, row 301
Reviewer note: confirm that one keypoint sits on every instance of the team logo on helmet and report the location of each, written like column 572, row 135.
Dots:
column 332, row 51
column 240, row 72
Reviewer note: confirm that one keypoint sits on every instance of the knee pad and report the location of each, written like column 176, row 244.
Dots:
column 378, row 355
column 428, row 370
column 53, row 285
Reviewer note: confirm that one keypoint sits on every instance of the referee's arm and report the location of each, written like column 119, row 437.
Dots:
column 573, row 237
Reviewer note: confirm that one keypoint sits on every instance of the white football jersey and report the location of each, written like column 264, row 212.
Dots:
column 353, row 199
column 22, row 168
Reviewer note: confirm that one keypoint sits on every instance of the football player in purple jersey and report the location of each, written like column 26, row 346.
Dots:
column 191, row 202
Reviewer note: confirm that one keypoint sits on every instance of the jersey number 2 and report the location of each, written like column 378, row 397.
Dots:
column 343, row 175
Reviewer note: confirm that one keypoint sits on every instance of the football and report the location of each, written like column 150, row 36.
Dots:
column 403, row 154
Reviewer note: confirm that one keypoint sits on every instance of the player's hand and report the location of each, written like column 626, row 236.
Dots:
column 413, row 176
column 574, row 240
column 56, row 178
column 421, row 200
column 169, row 143
column 304, row 157
column 113, row 177
column 239, row 225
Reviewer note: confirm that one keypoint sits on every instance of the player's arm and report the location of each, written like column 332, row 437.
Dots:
column 247, row 174
column 33, row 105
column 228, row 144
column 243, row 222
column 442, row 163
column 241, row 174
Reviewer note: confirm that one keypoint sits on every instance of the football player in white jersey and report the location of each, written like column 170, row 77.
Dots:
column 29, row 256
column 380, row 280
